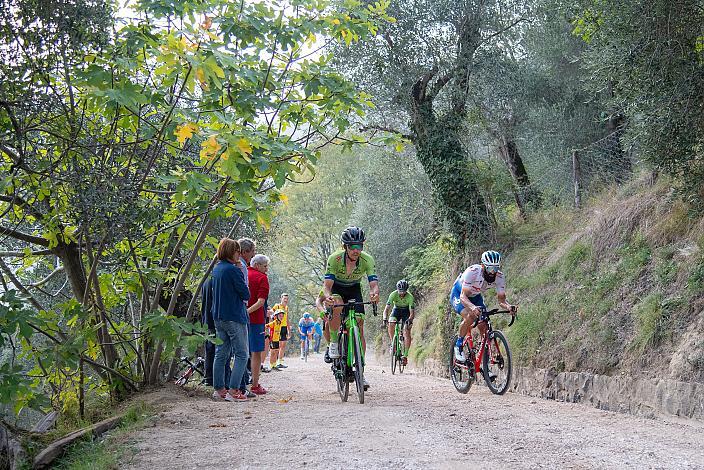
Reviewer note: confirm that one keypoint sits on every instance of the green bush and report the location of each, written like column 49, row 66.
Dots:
column 648, row 315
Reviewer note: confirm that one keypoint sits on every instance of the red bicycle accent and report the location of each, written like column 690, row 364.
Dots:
column 493, row 360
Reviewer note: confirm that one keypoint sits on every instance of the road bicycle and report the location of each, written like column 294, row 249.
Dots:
column 349, row 367
column 492, row 359
column 398, row 347
column 191, row 367
column 306, row 348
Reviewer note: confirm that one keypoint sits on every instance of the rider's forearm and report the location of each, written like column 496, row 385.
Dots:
column 327, row 287
column 385, row 315
column 374, row 289
column 466, row 302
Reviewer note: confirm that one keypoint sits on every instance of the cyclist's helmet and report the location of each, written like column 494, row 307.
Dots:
column 491, row 260
column 402, row 285
column 306, row 315
column 352, row 235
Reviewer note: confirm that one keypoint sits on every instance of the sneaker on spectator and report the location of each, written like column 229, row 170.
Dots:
column 235, row 395
column 266, row 369
column 248, row 394
column 333, row 351
column 219, row 394
column 282, row 366
column 258, row 390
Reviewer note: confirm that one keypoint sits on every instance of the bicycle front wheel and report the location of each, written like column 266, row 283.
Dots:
column 496, row 364
column 401, row 350
column 358, row 366
column 341, row 372
column 460, row 373
column 305, row 350
column 394, row 355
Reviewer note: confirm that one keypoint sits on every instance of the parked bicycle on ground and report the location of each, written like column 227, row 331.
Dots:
column 492, row 359
column 190, row 368
column 349, row 366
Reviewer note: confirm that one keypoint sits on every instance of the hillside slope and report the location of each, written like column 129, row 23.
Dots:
column 615, row 289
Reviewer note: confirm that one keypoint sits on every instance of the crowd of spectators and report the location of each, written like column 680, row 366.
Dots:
column 235, row 309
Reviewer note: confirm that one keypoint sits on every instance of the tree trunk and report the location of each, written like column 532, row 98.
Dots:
column 525, row 195
column 70, row 256
column 619, row 164
column 444, row 160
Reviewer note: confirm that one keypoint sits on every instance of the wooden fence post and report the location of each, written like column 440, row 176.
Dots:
column 577, row 178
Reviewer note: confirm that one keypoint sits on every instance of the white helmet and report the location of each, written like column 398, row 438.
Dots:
column 491, row 258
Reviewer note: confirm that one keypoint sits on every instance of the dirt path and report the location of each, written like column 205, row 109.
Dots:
column 408, row 421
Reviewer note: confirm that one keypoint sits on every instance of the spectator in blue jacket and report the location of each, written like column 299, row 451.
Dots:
column 317, row 335
column 231, row 320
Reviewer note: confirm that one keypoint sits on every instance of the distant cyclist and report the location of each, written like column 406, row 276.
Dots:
column 344, row 272
column 305, row 329
column 466, row 296
column 402, row 308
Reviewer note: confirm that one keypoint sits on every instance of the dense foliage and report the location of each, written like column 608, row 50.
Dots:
column 128, row 147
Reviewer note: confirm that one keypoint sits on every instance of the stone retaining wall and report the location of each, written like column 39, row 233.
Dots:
column 624, row 394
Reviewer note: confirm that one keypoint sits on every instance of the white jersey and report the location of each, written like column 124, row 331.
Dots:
column 473, row 280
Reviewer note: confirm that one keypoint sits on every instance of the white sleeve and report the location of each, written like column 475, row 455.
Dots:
column 500, row 283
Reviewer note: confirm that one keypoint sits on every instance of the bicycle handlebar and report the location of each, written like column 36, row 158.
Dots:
column 496, row 311
column 352, row 303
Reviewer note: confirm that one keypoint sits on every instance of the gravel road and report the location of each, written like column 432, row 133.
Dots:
column 407, row 421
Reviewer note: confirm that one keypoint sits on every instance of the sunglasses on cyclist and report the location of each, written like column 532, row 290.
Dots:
column 356, row 246
column 491, row 269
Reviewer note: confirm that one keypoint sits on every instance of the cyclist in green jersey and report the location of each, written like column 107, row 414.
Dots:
column 345, row 269
column 402, row 306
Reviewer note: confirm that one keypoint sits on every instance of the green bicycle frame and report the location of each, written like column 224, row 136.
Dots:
column 351, row 325
column 397, row 338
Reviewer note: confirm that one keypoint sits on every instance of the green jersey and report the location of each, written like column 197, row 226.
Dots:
column 402, row 302
column 337, row 269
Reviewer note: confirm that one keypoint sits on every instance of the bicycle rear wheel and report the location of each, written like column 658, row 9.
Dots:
column 358, row 365
column 461, row 373
column 394, row 355
column 496, row 364
column 306, row 346
column 343, row 385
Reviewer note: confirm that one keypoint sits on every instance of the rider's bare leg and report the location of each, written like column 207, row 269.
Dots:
column 334, row 323
column 391, row 327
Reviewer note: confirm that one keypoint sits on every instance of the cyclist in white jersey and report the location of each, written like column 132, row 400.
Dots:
column 466, row 295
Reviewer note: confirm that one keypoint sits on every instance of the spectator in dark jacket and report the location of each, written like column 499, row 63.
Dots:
column 231, row 320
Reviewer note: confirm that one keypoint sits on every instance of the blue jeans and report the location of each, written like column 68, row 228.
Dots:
column 235, row 341
column 316, row 338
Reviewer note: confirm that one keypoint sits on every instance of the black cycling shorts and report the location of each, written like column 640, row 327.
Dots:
column 350, row 292
column 399, row 314
column 284, row 333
